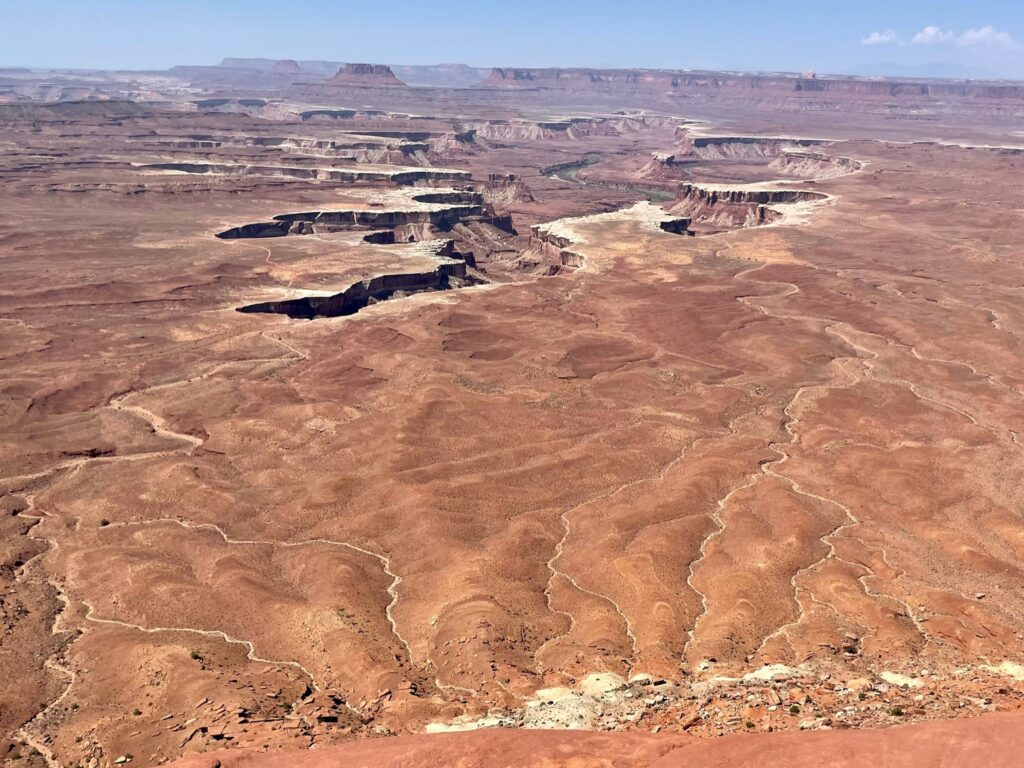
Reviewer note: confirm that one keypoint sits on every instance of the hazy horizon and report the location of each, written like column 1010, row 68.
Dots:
column 978, row 40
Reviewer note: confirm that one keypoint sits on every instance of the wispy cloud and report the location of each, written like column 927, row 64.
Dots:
column 979, row 37
column 886, row 37
column 932, row 36
column 988, row 37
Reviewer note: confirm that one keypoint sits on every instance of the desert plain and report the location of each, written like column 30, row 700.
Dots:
column 335, row 410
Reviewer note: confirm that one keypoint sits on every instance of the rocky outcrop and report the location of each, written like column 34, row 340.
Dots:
column 454, row 145
column 362, row 294
column 664, row 166
column 745, row 196
column 680, row 226
column 308, row 146
column 449, row 273
column 523, row 129
column 368, row 75
column 259, row 229
column 382, row 237
column 238, row 170
column 333, row 221
column 328, row 114
column 401, row 154
column 385, row 149
column 813, row 165
column 553, row 251
column 737, row 207
column 253, row 107
column 338, row 221
column 555, row 130
column 428, row 174
column 400, row 176
column 792, row 158
column 506, row 188
column 439, row 211
column 740, row 147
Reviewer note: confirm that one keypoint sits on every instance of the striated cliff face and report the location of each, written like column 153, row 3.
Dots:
column 740, row 196
column 813, row 165
column 362, row 294
column 741, row 147
column 560, row 130
column 477, row 231
column 664, row 166
column 372, row 75
column 721, row 208
column 791, row 158
column 401, row 175
column 506, row 188
column 312, row 222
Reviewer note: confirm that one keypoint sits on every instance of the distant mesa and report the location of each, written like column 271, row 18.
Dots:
column 283, row 66
column 287, row 67
column 765, row 86
column 515, row 77
column 365, row 74
column 575, row 77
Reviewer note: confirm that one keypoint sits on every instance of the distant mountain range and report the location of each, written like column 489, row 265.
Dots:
column 426, row 75
column 935, row 69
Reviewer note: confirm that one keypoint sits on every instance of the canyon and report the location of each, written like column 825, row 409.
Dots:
column 359, row 414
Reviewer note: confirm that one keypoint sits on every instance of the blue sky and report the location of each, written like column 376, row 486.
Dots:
column 985, row 36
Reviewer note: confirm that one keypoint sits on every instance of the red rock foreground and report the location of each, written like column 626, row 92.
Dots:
column 992, row 741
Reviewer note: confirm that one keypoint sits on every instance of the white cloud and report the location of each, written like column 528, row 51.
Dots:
column 881, row 38
column 982, row 37
column 932, row 36
column 988, row 37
